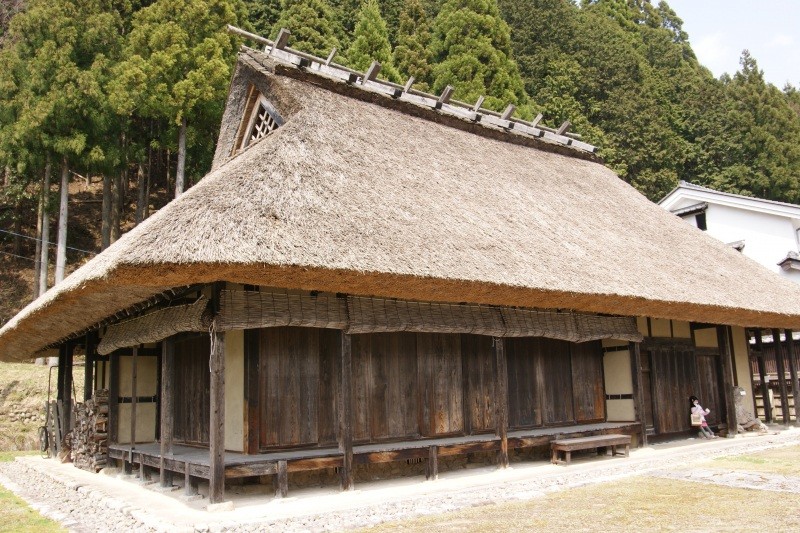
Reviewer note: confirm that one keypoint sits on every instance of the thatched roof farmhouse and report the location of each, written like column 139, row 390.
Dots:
column 332, row 184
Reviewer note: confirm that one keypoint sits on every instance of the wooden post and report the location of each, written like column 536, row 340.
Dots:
column 66, row 413
column 167, row 407
column 726, row 353
column 216, row 482
column 134, row 379
column 432, row 468
column 251, row 422
column 635, row 349
column 346, row 413
column 762, row 372
column 776, row 342
column 189, row 483
column 501, row 400
column 88, row 369
column 282, row 480
column 113, row 398
column 793, row 374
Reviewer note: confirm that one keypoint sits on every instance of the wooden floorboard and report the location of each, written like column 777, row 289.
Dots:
column 243, row 465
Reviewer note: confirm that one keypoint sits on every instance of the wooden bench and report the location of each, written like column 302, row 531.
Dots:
column 587, row 443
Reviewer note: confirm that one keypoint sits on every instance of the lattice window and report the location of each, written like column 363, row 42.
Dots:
column 261, row 119
column 264, row 123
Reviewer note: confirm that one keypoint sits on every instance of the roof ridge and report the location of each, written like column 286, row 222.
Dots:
column 278, row 52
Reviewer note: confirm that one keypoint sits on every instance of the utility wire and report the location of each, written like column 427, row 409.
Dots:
column 50, row 243
column 17, row 256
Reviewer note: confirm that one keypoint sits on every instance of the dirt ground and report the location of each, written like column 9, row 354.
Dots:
column 741, row 484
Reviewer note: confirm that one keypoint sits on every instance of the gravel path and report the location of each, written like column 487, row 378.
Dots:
column 85, row 502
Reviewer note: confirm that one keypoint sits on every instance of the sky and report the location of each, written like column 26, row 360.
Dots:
column 720, row 29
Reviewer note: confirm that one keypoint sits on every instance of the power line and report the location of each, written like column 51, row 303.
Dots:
column 50, row 243
column 17, row 256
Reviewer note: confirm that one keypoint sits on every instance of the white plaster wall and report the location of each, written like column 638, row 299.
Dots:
column 742, row 359
column 617, row 375
column 146, row 385
column 768, row 238
column 706, row 338
column 145, row 423
column 234, row 390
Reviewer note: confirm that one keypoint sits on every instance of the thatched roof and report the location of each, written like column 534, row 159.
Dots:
column 351, row 196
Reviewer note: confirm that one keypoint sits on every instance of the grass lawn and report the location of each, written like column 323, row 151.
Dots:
column 639, row 503
column 784, row 461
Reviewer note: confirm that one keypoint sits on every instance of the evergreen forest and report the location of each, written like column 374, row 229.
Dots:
column 118, row 102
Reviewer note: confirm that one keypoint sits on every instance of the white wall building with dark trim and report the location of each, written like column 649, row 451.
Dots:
column 763, row 230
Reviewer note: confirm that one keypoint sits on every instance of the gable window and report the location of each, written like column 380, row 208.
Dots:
column 259, row 120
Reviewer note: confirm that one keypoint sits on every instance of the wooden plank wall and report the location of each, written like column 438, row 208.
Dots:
column 405, row 385
column 674, row 377
column 192, row 403
column 384, row 382
column 554, row 382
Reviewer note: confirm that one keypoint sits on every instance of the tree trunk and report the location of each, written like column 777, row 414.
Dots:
column 45, row 260
column 116, row 206
column 61, row 250
column 180, row 179
column 40, row 214
column 105, row 227
column 141, row 190
column 18, row 228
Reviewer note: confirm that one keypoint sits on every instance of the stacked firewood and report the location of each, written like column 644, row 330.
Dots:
column 90, row 436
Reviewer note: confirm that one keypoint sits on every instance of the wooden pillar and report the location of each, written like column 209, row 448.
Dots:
column 762, row 373
column 282, row 480
column 59, row 410
column 779, row 355
column 113, row 398
column 793, row 373
column 216, row 448
column 134, row 392
column 252, row 423
column 189, row 482
column 167, row 407
column 346, row 412
column 726, row 353
column 88, row 369
column 432, row 468
column 635, row 349
column 501, row 400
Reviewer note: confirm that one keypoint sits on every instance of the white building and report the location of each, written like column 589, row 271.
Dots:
column 764, row 230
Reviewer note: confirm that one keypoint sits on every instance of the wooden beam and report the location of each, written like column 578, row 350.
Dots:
column 282, row 480
column 444, row 98
column 88, row 368
column 409, row 83
column 501, row 400
column 726, row 353
column 372, row 71
column 113, row 398
column 69, row 350
column 762, row 371
column 167, row 407
column 134, row 379
column 508, row 112
column 635, row 349
column 281, row 40
column 346, row 412
column 562, row 129
column 189, row 482
column 793, row 374
column 432, row 468
column 537, row 120
column 330, row 57
column 251, row 423
column 216, row 483
column 479, row 103
column 779, row 354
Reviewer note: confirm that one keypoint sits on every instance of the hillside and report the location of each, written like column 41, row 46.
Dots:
column 23, row 395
